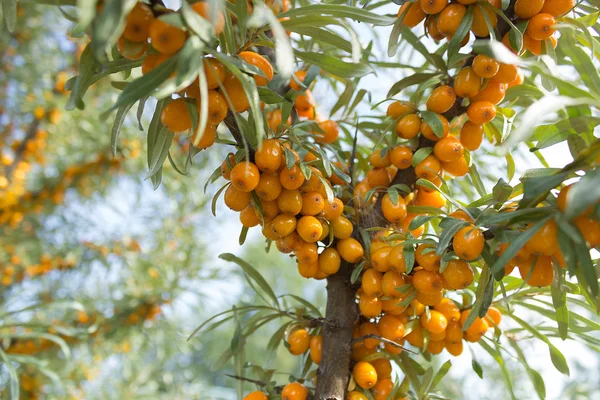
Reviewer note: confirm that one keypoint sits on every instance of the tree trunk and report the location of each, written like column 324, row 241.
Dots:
column 341, row 314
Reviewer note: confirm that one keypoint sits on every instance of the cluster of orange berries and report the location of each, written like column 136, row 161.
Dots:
column 291, row 391
column 37, row 345
column 443, row 18
column 15, row 270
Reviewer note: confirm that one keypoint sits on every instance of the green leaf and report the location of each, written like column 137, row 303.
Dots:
column 501, row 192
column 440, row 375
column 334, row 65
column 477, row 182
column 459, row 35
column 537, row 186
column 420, row 155
column 252, row 274
column 559, row 300
column 117, row 124
column 450, row 227
column 339, row 11
column 356, row 272
column 14, row 378
column 583, row 194
column 159, row 152
column 108, row 25
column 435, row 123
column 486, row 280
column 9, row 10
column 409, row 81
column 477, row 367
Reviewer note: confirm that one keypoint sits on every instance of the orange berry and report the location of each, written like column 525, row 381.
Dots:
column 481, row 112
column 284, row 224
column 225, row 169
column 436, row 322
column 290, row 201
column 468, row 243
column 401, row 157
column 416, row 337
column 396, row 259
column 448, row 149
column 249, row 216
column 332, row 210
column 309, row 228
column 412, row 14
column 371, row 282
column 526, row 9
column 378, row 177
column 316, row 348
column 494, row 315
column 430, row 199
column 485, row 66
column 350, row 250
column 393, row 212
column 215, row 72
column 427, row 131
column 478, row 327
column 590, row 230
column 399, row 108
column 268, row 156
column 540, row 273
column 300, row 75
column 236, row 199
column 383, row 367
column 506, row 73
column 268, row 187
column 379, row 259
column 329, row 261
column 261, row 63
column 203, row 9
column 175, row 116
column 294, row 391
column 541, row 26
column 376, row 159
column 408, row 126
column 545, row 241
column 429, row 299
column 480, row 25
column 307, row 253
column 456, row 168
column 331, row 129
column 369, row 328
column 557, row 8
column 493, row 92
column 342, row 227
column 432, row 6
column 131, row 50
column 299, row 340
column 429, row 168
column 369, row 306
column 217, row 107
column 462, row 215
column 256, row 395
column 235, row 93
column 391, row 328
column 292, row 178
column 165, row 38
column 454, row 331
column 355, row 396
column 269, row 208
column 449, row 20
column 138, row 23
column 467, row 83
column 455, row 348
column 432, row 28
column 364, row 375
column 428, row 282
column 449, row 309
column 245, row 176
column 312, row 203
column 441, row 99
column 390, row 282
column 427, row 258
column 458, row 274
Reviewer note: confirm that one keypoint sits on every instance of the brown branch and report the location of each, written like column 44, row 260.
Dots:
column 20, row 151
column 382, row 339
column 241, row 378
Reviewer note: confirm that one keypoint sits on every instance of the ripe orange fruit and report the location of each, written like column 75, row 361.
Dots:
column 540, row 273
column 383, row 367
column 371, row 282
column 284, row 224
column 401, row 157
column 399, row 108
column 534, row 46
column 436, row 322
column 369, row 328
column 215, row 72
column 428, row 132
column 307, row 253
column 412, row 14
column 396, row 259
column 455, row 348
column 332, row 131
column 456, row 168
column 203, row 9
column 429, row 299
column 329, row 261
column 462, row 215
column 449, row 20
column 378, row 177
column 378, row 160
column 292, row 178
column 458, row 275
column 391, row 328
column 316, row 348
column 256, row 395
column 299, row 340
column 545, row 241
column 369, row 306
column 354, row 395
column 393, row 212
column 557, row 8
column 268, row 156
column 432, row 28
column 432, row 6
column 526, row 9
column 261, row 63
column 379, row 259
column 416, row 337
column 480, row 25
column 235, row 93
column 304, row 101
column 494, row 315
column 312, row 203
column 484, row 66
column 468, row 243
column 506, row 73
column 477, row 328
column 481, row 112
column 493, row 92
column 225, row 169
column 590, row 230
column 300, row 75
column 290, row 201
column 249, row 216
column 217, row 107
column 428, row 282
column 561, row 200
column 429, row 168
column 415, row 308
column 448, row 149
column 390, row 282
column 138, row 23
column 364, row 375
column 245, row 176
column 309, row 228
column 471, row 135
column 408, row 126
column 454, row 331
column 541, row 26
column 467, row 83
column 294, row 391
column 333, row 210
column 350, row 249
column 165, row 38
column 382, row 389
column 175, row 116
column 236, row 199
column 342, row 227
column 427, row 258
column 441, row 98
column 449, row 309
column 131, row 50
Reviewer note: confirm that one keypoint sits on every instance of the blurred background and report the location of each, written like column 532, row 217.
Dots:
column 102, row 278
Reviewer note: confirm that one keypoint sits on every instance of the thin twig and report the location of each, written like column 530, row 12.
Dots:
column 241, row 378
column 382, row 339
column 19, row 152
